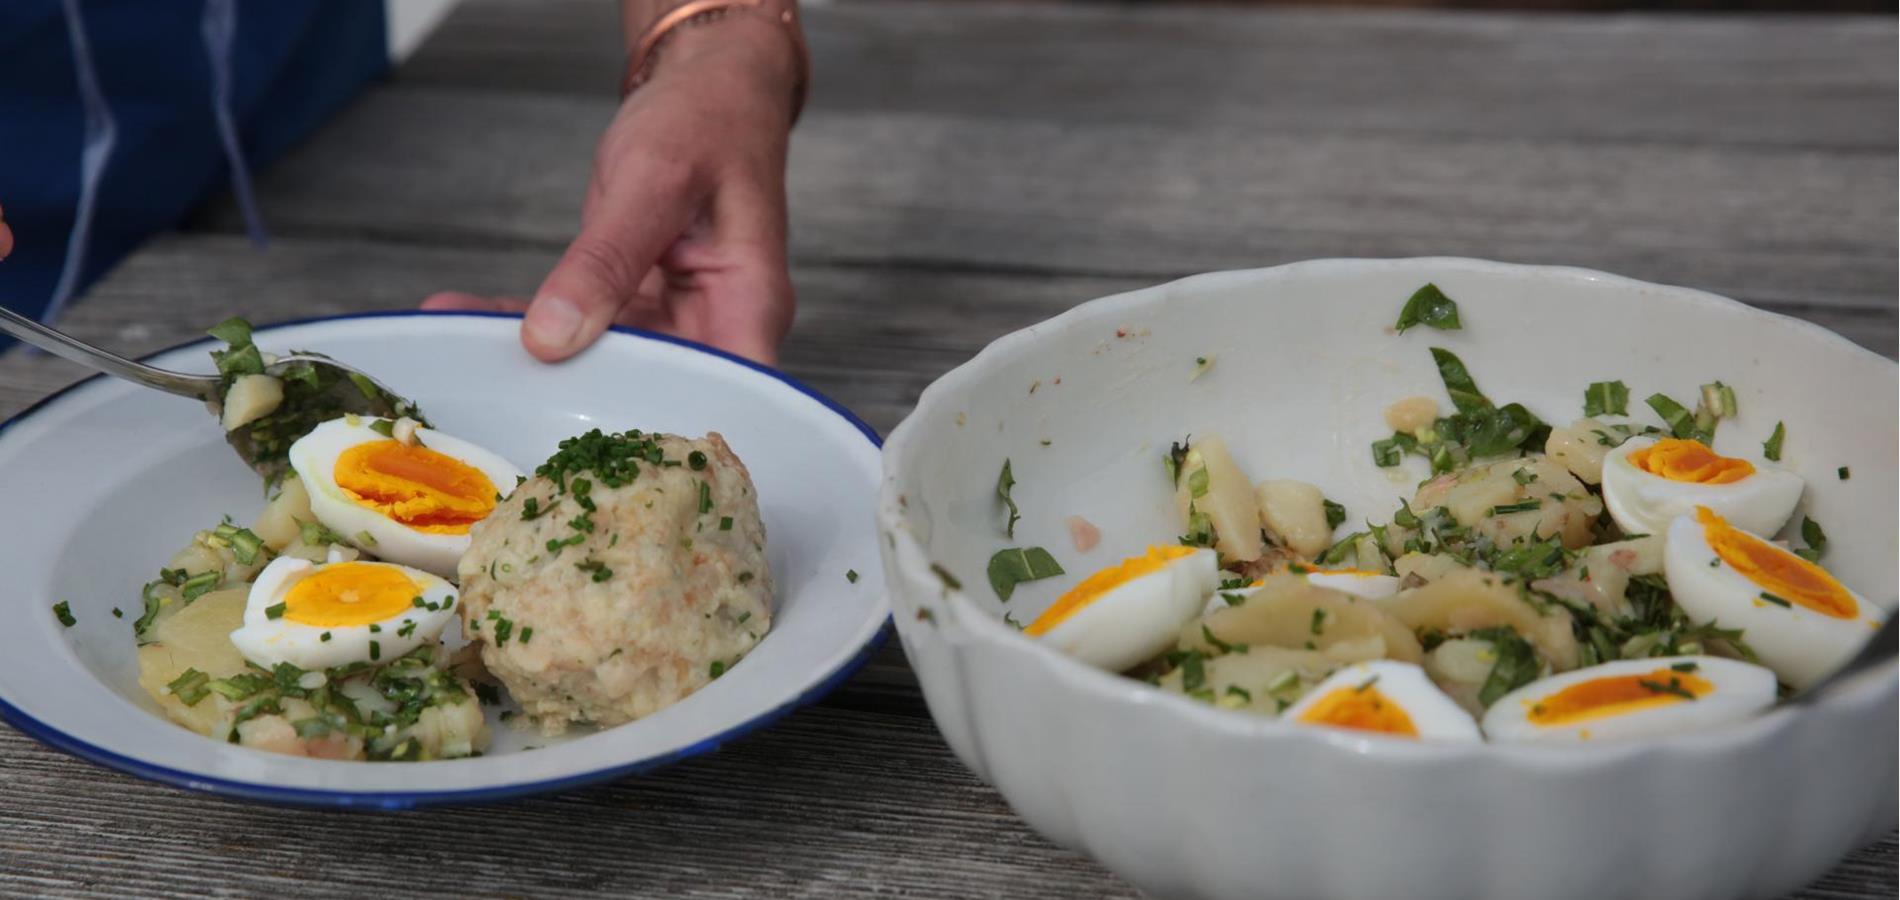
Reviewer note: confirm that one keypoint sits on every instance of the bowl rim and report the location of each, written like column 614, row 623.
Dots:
column 50, row 735
column 971, row 623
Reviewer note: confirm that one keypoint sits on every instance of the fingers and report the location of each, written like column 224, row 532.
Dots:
column 645, row 206
column 457, row 300
column 746, row 303
column 6, row 236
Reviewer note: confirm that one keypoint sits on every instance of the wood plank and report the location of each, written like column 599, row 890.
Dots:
column 1766, row 225
column 1820, row 81
column 828, row 802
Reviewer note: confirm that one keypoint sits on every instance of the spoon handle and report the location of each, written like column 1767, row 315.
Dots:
column 59, row 343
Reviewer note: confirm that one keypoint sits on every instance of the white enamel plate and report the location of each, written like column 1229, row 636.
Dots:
column 101, row 483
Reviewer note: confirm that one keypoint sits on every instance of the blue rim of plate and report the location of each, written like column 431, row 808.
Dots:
column 400, row 800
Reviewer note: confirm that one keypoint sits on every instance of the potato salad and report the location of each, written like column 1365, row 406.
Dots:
column 1606, row 578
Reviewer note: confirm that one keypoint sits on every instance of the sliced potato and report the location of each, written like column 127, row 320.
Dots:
column 250, row 398
column 197, row 636
column 1468, row 599
column 1228, row 500
column 1482, row 497
column 282, row 520
column 1294, row 512
column 1288, row 612
column 1268, row 679
column 1580, row 448
column 1601, row 575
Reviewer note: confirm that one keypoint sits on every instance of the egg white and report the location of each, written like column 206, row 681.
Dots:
column 1801, row 645
column 267, row 641
column 1740, row 691
column 315, row 455
column 1645, row 503
column 1436, row 716
column 1139, row 618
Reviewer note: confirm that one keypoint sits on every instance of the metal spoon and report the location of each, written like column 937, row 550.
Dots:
column 1883, row 647
column 330, row 388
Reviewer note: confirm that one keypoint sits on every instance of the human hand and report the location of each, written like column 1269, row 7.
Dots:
column 6, row 236
column 683, row 228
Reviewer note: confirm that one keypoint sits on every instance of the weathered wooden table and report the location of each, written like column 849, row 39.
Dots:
column 966, row 170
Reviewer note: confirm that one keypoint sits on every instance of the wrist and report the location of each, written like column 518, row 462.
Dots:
column 754, row 41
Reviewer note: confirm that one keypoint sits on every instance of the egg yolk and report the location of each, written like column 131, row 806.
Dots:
column 1093, row 587
column 1360, row 708
column 415, row 486
column 1776, row 571
column 1615, row 695
column 1690, row 461
column 349, row 593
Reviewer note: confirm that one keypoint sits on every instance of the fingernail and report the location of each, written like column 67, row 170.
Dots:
column 554, row 321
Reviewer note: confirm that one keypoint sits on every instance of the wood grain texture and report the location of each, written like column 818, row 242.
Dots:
column 965, row 170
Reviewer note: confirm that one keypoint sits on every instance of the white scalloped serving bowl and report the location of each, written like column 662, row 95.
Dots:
column 1187, row 800
column 99, row 484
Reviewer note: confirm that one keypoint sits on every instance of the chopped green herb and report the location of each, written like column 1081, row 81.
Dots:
column 1606, row 398
column 1004, row 482
column 1245, row 695
column 851, row 575
column 1771, row 448
column 375, row 650
column 1013, row 566
column 189, row 687
column 1193, row 671
column 725, row 524
column 1673, row 687
column 745, row 577
column 1526, row 477
column 1515, row 667
column 274, row 611
column 1335, row 514
column 118, row 613
column 1464, row 391
column 1841, row 473
column 63, row 611
column 596, row 569
column 1366, row 685
column 1176, row 458
column 1430, row 307
column 743, row 617
column 1219, row 645
column 1681, row 422
column 366, row 539
column 1197, row 483
column 1519, row 506
column 375, row 628
column 1816, row 539
column 1318, row 625
column 324, row 637
column 1234, row 599
column 1386, row 453
column 705, row 498
column 1684, row 667
column 527, row 633
column 1282, row 681
column 1776, row 600
column 718, row 668
column 198, row 585
column 384, row 427
column 314, row 534
column 696, row 460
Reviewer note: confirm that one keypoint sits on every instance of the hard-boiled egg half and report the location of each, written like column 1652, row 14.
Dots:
column 1798, row 619
column 1649, row 482
column 1130, row 611
column 319, row 615
column 408, row 501
column 1384, row 697
column 1632, row 698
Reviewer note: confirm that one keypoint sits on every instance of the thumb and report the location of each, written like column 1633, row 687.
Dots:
column 623, row 233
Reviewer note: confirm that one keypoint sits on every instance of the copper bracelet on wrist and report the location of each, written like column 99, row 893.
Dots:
column 698, row 12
